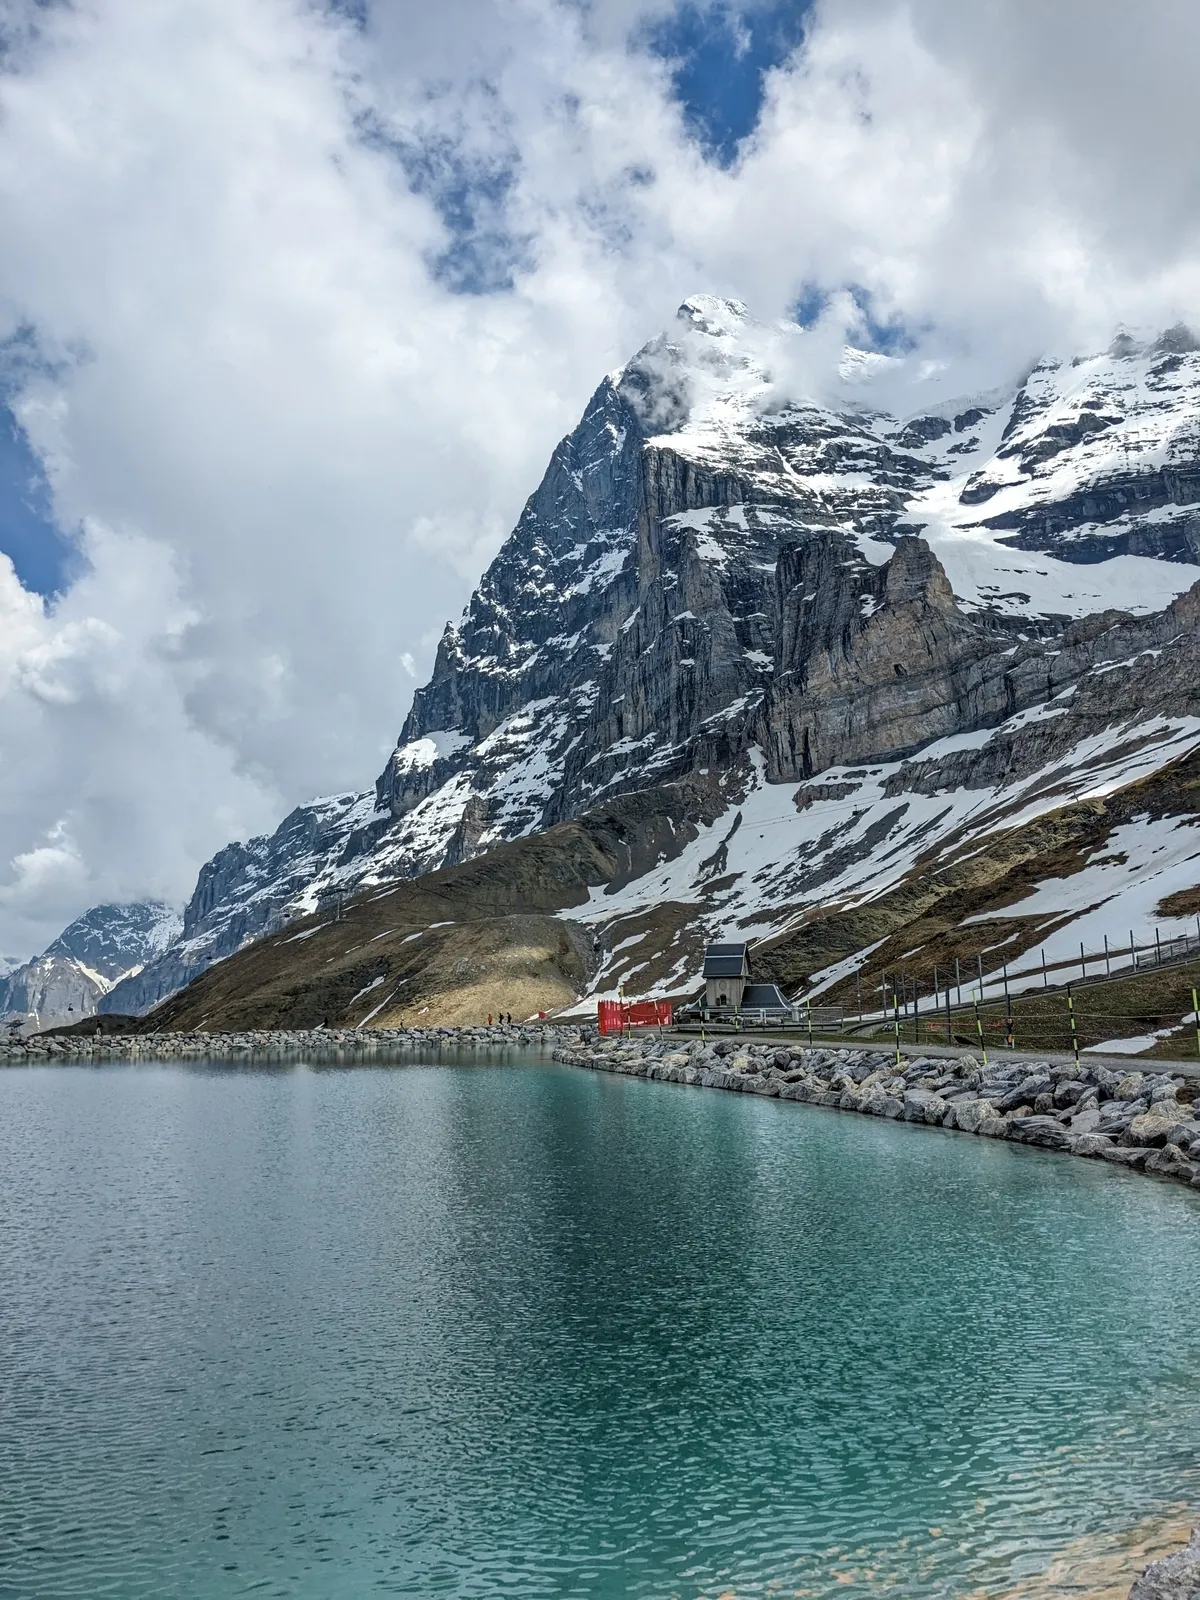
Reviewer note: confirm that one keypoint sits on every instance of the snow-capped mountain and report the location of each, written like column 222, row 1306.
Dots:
column 722, row 586
column 89, row 956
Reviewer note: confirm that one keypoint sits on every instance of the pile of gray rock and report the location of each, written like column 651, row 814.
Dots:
column 1144, row 1120
column 269, row 1041
column 1175, row 1577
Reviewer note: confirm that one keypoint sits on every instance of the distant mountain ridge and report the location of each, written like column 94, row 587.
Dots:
column 97, row 950
column 719, row 587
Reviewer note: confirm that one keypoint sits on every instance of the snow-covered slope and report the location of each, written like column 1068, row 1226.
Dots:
column 718, row 575
column 108, row 943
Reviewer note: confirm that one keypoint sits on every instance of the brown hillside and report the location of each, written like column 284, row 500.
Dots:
column 485, row 936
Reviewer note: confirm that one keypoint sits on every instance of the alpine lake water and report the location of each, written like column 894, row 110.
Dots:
column 325, row 1330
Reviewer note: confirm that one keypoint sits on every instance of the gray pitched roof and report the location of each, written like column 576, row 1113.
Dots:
column 763, row 997
column 726, row 961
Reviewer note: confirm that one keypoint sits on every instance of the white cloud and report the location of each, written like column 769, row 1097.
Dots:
column 293, row 447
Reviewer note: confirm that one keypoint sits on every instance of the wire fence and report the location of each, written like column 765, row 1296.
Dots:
column 1064, row 1021
column 951, row 987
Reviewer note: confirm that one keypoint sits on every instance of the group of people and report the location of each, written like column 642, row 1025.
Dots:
column 505, row 1020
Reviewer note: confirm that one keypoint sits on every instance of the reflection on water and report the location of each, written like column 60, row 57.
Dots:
column 527, row 1332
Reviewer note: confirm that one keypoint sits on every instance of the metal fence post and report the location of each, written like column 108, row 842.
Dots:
column 896, row 1020
column 979, row 1031
column 1196, row 1018
column 1074, row 1032
column 1008, row 1016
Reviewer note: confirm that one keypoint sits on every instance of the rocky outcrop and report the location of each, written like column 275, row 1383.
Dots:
column 1100, row 456
column 1175, row 1577
column 247, row 890
column 874, row 662
column 1108, row 672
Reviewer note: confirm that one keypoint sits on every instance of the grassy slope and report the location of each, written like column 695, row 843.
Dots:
column 922, row 923
column 1105, row 1009
column 452, row 946
column 496, row 934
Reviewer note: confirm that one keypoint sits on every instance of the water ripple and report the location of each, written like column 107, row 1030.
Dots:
column 527, row 1332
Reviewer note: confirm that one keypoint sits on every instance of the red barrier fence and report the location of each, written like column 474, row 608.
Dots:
column 617, row 1016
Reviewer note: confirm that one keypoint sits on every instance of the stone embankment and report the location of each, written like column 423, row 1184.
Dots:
column 1144, row 1120
column 272, row 1041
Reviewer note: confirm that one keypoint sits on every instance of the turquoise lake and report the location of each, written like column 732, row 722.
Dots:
column 519, row 1330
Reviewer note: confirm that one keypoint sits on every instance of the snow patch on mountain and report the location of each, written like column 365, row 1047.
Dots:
column 433, row 746
column 92, row 954
column 856, row 835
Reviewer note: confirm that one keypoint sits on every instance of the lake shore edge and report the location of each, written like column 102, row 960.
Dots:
column 114, row 1047
column 1144, row 1121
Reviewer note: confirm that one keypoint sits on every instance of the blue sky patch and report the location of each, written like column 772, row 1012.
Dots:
column 469, row 192
column 889, row 334
column 719, row 54
column 44, row 559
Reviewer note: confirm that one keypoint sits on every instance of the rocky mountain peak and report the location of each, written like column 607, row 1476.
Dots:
column 91, row 955
column 716, row 582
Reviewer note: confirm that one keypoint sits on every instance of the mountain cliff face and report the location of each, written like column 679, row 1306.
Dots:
column 723, row 590
column 66, row 982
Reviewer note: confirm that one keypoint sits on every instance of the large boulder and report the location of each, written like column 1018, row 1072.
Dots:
column 878, row 1103
column 922, row 1105
column 1085, row 1121
column 1090, row 1144
column 1164, row 1123
column 1129, row 1087
column 1175, row 1577
column 1025, row 1093
column 1039, row 1130
column 969, row 1115
column 1170, row 1162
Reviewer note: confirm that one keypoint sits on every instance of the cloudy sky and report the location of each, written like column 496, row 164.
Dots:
column 295, row 299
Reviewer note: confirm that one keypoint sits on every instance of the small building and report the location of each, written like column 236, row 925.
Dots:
column 726, row 975
column 727, row 985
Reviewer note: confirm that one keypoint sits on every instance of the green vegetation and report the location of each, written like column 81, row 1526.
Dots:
column 1153, row 1001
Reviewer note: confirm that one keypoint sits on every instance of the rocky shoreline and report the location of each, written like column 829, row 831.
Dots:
column 273, row 1041
column 1145, row 1121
